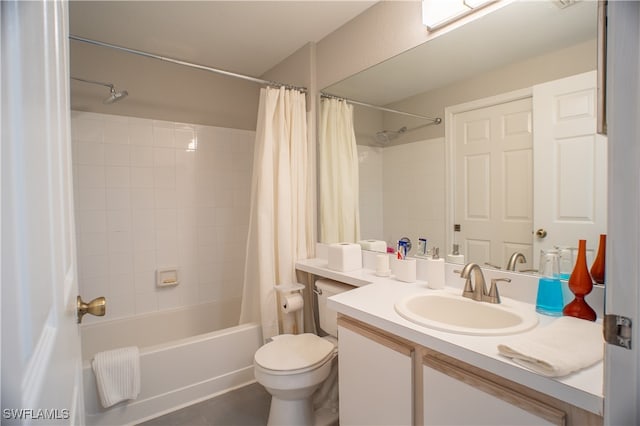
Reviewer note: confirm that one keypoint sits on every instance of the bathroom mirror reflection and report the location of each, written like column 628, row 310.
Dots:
column 407, row 183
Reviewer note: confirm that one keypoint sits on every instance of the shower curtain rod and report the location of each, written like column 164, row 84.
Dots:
column 187, row 64
column 436, row 120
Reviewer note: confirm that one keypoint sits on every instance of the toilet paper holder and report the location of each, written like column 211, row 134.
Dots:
column 285, row 289
column 291, row 305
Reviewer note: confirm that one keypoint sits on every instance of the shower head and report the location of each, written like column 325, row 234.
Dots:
column 114, row 96
column 385, row 136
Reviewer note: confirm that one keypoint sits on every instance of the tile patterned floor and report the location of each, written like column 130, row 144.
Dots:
column 246, row 406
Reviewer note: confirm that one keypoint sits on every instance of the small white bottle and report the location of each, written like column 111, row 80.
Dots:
column 455, row 256
column 435, row 270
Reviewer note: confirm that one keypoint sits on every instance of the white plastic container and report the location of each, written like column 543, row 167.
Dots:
column 435, row 270
column 404, row 269
column 345, row 257
column 374, row 245
column 382, row 265
column 455, row 256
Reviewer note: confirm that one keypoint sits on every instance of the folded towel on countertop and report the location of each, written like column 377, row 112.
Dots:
column 117, row 375
column 568, row 344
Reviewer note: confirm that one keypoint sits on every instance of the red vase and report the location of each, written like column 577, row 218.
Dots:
column 597, row 269
column 580, row 285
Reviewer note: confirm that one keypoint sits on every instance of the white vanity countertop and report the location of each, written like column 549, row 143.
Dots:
column 373, row 303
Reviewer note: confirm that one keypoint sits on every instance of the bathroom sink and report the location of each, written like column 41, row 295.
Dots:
column 456, row 314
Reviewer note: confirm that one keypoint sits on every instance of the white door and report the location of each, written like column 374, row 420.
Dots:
column 493, row 180
column 570, row 160
column 622, row 366
column 41, row 363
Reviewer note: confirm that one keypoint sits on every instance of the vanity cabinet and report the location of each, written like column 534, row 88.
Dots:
column 454, row 396
column 375, row 377
column 385, row 379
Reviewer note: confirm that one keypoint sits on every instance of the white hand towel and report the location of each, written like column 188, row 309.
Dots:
column 117, row 375
column 568, row 344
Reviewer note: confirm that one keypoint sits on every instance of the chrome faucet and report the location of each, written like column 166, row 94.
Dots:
column 478, row 291
column 516, row 257
column 494, row 296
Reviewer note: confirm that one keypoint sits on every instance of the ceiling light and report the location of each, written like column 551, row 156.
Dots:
column 438, row 13
column 564, row 3
column 474, row 4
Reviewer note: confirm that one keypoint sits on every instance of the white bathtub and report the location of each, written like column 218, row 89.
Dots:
column 184, row 358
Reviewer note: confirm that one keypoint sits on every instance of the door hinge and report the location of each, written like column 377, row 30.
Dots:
column 617, row 330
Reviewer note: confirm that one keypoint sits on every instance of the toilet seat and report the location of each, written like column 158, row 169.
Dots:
column 290, row 354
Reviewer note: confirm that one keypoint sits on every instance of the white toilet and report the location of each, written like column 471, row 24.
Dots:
column 292, row 367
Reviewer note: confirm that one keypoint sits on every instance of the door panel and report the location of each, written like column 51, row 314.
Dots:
column 622, row 290
column 570, row 163
column 41, row 362
column 477, row 187
column 369, row 394
column 493, row 171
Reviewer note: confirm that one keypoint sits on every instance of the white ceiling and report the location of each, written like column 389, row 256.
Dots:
column 248, row 37
column 251, row 37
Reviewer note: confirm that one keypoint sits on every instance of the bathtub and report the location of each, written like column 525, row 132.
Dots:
column 186, row 355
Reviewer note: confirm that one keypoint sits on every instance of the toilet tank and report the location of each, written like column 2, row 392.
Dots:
column 328, row 317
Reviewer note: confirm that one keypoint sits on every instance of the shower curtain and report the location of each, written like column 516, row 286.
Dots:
column 281, row 228
column 338, row 173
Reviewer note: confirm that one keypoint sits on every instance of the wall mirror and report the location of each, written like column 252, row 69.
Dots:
column 405, row 177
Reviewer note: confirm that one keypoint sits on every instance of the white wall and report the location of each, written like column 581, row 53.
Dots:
column 370, row 191
column 160, row 90
column 413, row 171
column 569, row 61
column 384, row 30
column 402, row 194
column 151, row 194
column 413, row 193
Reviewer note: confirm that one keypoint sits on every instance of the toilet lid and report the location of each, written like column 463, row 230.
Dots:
column 293, row 352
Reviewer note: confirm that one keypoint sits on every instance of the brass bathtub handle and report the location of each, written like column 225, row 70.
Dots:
column 97, row 307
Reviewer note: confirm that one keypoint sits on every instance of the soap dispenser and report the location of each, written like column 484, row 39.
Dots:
column 435, row 270
column 455, row 256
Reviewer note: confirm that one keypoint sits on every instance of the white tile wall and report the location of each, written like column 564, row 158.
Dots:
column 371, row 208
column 414, row 193
column 153, row 194
column 402, row 192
